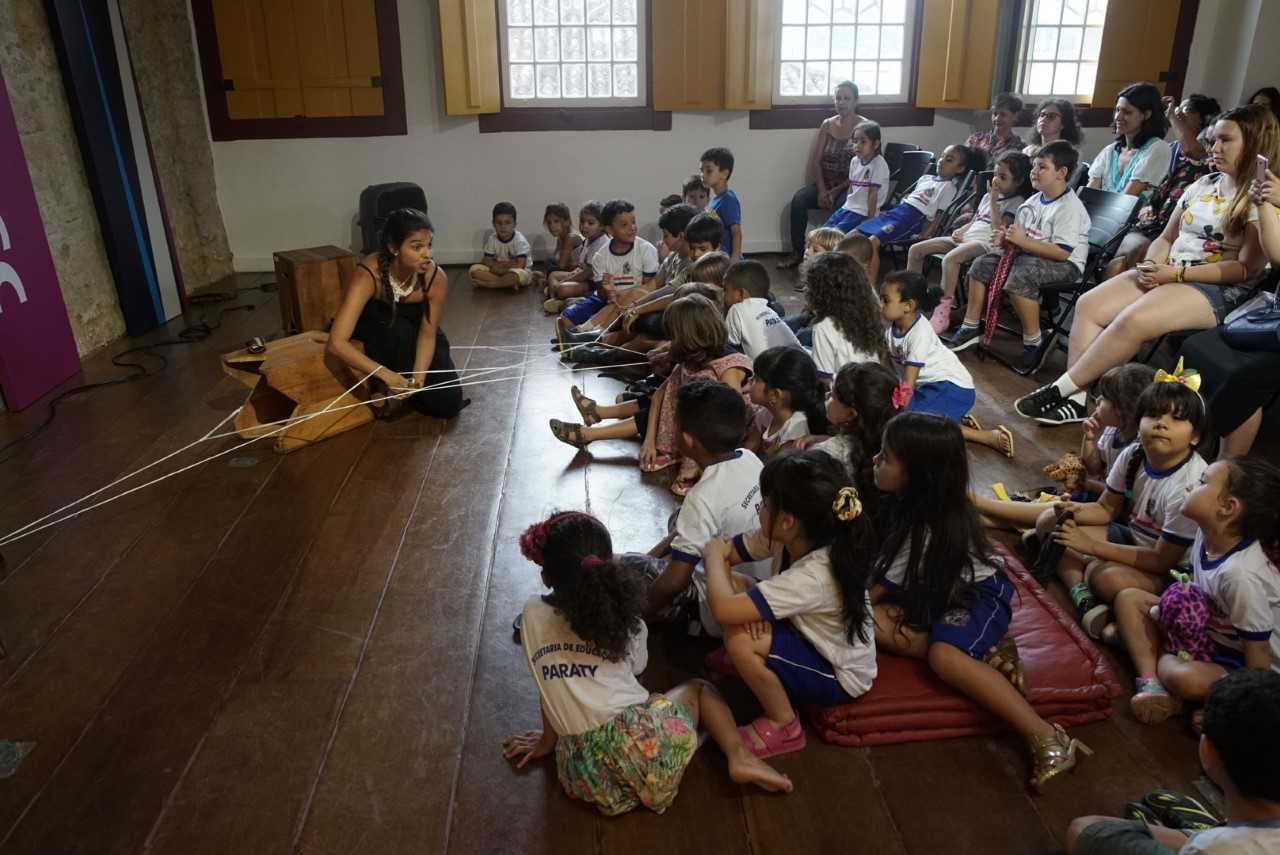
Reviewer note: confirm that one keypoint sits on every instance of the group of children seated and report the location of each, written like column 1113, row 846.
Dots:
column 828, row 512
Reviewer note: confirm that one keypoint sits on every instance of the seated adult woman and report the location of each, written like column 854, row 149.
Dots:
column 1269, row 97
column 1005, row 108
column 828, row 167
column 1139, row 159
column 395, row 313
column 1194, row 272
column 1055, row 120
column 1190, row 161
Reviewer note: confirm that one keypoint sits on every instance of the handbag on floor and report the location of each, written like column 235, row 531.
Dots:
column 1255, row 325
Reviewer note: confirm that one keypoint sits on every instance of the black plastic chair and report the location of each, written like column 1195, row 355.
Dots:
column 964, row 196
column 1079, row 177
column 914, row 166
column 892, row 153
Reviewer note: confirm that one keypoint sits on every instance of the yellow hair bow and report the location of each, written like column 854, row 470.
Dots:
column 847, row 506
column 1188, row 377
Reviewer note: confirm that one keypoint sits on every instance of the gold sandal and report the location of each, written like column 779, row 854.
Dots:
column 1053, row 755
column 585, row 405
column 1004, row 657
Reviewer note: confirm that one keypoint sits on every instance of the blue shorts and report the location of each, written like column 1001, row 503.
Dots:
column 580, row 313
column 1119, row 533
column 975, row 629
column 899, row 223
column 844, row 220
column 805, row 674
column 943, row 398
column 1228, row 657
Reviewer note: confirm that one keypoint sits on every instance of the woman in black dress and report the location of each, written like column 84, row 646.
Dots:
column 393, row 306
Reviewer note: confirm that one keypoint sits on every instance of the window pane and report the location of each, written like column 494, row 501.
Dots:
column 1044, row 42
column 842, row 42
column 891, row 42
column 520, row 44
column 819, row 12
column 573, row 44
column 1041, row 79
column 890, row 82
column 1048, row 12
column 575, row 80
column 548, row 81
column 1069, row 43
column 868, row 11
column 1092, row 43
column 818, row 45
column 868, row 46
column 546, row 12
column 546, row 45
column 1073, row 11
column 572, row 12
column 843, row 11
column 1064, row 78
column 792, row 43
column 895, row 11
column 791, row 80
column 625, row 81
column 598, row 40
column 815, row 78
column 865, row 74
column 1088, row 71
column 599, row 81
column 840, row 72
column 624, row 45
column 793, row 12
column 624, row 11
column 519, row 13
column 597, row 11
column 522, row 81
column 1097, row 12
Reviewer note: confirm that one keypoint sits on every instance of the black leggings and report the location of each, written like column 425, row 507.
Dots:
column 391, row 338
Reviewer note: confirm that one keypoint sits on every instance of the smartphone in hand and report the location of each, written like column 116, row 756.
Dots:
column 1262, row 169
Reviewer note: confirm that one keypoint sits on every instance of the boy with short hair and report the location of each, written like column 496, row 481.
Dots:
column 1240, row 752
column 717, row 168
column 711, row 419
column 703, row 234
column 673, row 222
column 858, row 245
column 1050, row 232
column 506, row 254
column 622, row 271
column 754, row 326
column 695, row 193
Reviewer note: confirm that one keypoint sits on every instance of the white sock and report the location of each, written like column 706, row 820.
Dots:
column 1032, row 340
column 1067, row 387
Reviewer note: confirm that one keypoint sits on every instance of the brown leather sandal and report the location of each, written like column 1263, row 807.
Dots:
column 569, row 433
column 585, row 405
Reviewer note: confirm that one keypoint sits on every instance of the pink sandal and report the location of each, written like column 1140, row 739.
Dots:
column 784, row 741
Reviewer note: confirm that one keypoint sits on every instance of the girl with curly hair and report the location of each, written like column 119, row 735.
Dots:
column 617, row 745
column 846, row 311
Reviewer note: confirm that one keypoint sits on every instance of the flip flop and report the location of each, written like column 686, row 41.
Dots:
column 1008, row 437
column 586, row 406
column 790, row 737
column 568, row 433
column 663, row 461
column 970, row 422
column 682, row 485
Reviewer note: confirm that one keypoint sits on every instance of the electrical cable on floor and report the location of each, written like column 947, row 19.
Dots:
column 192, row 334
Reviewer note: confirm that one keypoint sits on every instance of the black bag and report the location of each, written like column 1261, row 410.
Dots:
column 379, row 200
column 1257, row 327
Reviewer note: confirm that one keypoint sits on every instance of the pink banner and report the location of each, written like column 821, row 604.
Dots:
column 37, row 348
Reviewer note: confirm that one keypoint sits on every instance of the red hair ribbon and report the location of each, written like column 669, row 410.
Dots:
column 533, row 540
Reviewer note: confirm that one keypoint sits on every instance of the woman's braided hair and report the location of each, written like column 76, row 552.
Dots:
column 399, row 224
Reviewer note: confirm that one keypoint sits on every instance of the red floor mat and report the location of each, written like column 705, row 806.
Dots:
column 1071, row 682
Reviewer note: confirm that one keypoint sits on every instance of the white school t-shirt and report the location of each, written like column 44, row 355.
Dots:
column 832, row 351
column 1257, row 838
column 922, row 348
column 840, row 447
column 980, row 228
column 793, row 428
column 1244, row 594
column 808, row 596
column 1063, row 221
column 588, row 248
column 579, row 689
column 725, row 501
column 628, row 269
column 897, row 572
column 864, row 179
column 1155, row 510
column 931, row 194
column 1150, row 164
column 506, row 250
column 755, row 327
column 1109, row 445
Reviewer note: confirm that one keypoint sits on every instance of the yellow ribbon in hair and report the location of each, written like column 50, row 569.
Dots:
column 1188, row 377
column 847, row 506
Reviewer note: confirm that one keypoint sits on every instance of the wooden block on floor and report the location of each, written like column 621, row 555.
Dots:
column 310, row 283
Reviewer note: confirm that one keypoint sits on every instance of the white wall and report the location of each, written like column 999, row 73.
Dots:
column 286, row 194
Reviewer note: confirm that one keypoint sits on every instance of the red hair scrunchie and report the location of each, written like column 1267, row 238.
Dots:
column 533, row 540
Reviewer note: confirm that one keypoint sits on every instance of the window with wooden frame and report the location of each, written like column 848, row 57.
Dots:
column 824, row 42
column 285, row 69
column 1058, row 48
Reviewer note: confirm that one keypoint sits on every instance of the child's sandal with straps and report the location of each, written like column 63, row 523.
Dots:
column 568, row 433
column 585, row 405
column 1004, row 657
column 1053, row 755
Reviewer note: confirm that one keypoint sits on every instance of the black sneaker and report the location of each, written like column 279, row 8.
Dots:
column 965, row 338
column 1030, row 357
column 1047, row 406
column 1030, row 405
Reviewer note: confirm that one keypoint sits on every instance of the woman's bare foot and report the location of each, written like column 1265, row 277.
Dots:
column 746, row 768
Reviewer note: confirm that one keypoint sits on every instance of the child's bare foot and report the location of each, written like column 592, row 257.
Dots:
column 746, row 768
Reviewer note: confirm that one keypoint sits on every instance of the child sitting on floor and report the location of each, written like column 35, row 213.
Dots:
column 786, row 386
column 506, row 254
column 1146, row 490
column 641, row 327
column 563, row 285
column 941, row 593
column 673, row 269
column 695, row 193
column 805, row 635
column 1009, row 187
column 1240, row 752
column 932, row 378
column 1050, row 235
column 617, row 745
column 665, row 204
column 847, row 326
column 559, row 224
column 622, row 271
column 868, row 180
column 825, row 240
column 1237, row 507
column 920, row 210
column 858, row 408
column 753, row 325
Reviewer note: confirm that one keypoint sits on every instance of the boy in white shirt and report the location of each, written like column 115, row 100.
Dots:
column 753, row 326
column 506, row 254
column 622, row 271
column 1051, row 234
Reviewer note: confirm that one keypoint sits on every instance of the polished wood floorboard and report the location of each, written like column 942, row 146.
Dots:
column 313, row 653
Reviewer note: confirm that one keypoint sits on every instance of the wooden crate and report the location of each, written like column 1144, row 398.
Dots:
column 311, row 282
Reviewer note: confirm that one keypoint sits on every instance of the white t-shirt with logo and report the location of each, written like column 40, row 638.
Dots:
column 921, row 348
column 1155, row 510
column 865, row 179
column 1244, row 838
column 628, row 268
column 931, row 194
column 1062, row 221
column 980, row 228
column 832, row 351
column 506, row 250
column 588, row 248
column 755, row 327
column 579, row 689
column 1244, row 592
column 793, row 428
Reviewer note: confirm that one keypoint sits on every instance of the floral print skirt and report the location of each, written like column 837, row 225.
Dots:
column 635, row 758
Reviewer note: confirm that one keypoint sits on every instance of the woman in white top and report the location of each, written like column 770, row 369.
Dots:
column 1192, row 274
column 1139, row 159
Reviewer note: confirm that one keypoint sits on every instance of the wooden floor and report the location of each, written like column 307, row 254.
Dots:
column 313, row 653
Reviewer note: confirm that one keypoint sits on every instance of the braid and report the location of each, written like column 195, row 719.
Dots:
column 384, row 281
column 1136, row 460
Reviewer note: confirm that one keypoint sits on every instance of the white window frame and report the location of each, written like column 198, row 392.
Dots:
column 910, row 19
column 1026, row 33
column 642, row 66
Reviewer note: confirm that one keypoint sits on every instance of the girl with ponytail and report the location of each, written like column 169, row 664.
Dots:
column 786, row 385
column 617, row 745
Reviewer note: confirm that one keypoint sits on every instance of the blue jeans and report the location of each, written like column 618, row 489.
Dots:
column 805, row 200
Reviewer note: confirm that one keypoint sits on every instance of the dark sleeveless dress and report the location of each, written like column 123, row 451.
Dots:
column 390, row 336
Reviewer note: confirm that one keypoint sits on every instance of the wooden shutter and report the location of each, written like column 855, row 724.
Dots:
column 1137, row 42
column 751, row 40
column 957, row 53
column 288, row 58
column 469, row 45
column 688, row 67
